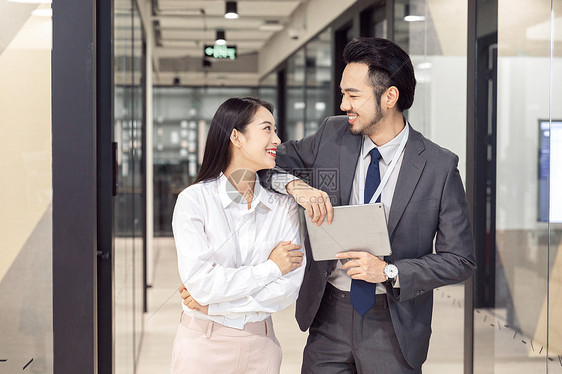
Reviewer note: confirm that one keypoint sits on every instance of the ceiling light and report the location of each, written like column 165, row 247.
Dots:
column 221, row 37
column 408, row 17
column 320, row 106
column 414, row 18
column 231, row 10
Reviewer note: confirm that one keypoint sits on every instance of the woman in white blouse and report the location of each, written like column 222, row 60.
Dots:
column 238, row 249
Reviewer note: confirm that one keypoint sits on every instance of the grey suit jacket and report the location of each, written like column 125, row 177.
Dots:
column 429, row 200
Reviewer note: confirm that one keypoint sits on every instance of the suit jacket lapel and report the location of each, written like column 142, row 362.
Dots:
column 410, row 173
column 349, row 155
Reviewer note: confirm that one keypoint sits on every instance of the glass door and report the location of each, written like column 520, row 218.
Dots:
column 517, row 325
column 129, row 203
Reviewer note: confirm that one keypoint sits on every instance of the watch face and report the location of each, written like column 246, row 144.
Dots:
column 391, row 271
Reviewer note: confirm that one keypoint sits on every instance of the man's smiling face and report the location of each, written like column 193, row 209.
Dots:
column 358, row 99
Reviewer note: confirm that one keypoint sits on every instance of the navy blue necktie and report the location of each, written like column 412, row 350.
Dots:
column 363, row 293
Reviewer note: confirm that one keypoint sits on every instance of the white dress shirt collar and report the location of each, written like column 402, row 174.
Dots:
column 387, row 150
column 229, row 195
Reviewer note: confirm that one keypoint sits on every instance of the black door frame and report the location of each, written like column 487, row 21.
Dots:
column 481, row 161
column 75, row 201
column 83, row 186
column 106, row 184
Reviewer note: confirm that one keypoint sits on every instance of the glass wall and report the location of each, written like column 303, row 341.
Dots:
column 182, row 116
column 554, row 303
column 318, row 79
column 424, row 28
column 294, row 112
column 129, row 207
column 26, row 338
column 373, row 20
column 309, row 86
column 268, row 91
column 519, row 331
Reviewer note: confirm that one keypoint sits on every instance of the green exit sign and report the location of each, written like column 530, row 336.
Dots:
column 220, row 51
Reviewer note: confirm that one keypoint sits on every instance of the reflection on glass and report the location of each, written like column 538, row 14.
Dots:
column 268, row 91
column 554, row 322
column 318, row 97
column 309, row 87
column 295, row 96
column 26, row 338
column 373, row 21
column 129, row 202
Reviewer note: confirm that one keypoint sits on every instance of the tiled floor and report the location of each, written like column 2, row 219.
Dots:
column 445, row 355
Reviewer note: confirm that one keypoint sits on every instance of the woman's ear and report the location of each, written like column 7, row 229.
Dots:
column 391, row 97
column 235, row 138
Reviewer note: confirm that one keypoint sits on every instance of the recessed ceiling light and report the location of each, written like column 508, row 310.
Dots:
column 414, row 18
column 408, row 17
column 231, row 10
column 221, row 37
column 299, row 105
column 320, row 106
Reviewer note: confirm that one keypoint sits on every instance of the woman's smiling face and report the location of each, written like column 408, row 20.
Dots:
column 258, row 142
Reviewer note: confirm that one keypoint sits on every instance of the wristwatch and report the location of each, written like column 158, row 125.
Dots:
column 391, row 271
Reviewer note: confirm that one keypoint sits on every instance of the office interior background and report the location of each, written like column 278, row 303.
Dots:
column 104, row 108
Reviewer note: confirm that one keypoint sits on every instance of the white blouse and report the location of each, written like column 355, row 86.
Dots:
column 223, row 249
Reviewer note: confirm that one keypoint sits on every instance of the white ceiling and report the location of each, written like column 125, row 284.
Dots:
column 183, row 27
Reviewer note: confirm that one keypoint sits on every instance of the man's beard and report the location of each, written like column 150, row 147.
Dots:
column 372, row 126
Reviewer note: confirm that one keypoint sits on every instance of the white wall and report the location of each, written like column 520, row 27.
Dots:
column 25, row 140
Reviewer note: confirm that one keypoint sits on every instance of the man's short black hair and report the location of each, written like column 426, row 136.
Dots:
column 389, row 65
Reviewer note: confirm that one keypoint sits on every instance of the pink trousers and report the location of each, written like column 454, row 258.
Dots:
column 203, row 346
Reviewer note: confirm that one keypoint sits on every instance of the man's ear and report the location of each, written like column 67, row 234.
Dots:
column 390, row 97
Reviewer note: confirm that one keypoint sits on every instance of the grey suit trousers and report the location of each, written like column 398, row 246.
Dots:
column 341, row 341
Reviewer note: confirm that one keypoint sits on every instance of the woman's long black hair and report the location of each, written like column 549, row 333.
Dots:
column 234, row 113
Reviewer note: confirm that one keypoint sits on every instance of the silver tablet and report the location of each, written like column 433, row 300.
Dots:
column 354, row 228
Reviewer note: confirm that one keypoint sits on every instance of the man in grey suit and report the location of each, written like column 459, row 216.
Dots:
column 372, row 315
